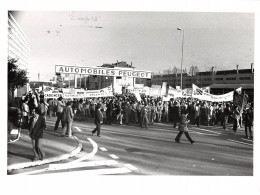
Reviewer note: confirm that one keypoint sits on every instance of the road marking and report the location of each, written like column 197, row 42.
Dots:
column 78, row 129
column 239, row 142
column 95, row 172
column 190, row 131
column 103, row 149
column 208, row 130
column 94, row 151
column 131, row 167
column 247, row 139
column 113, row 156
column 82, row 164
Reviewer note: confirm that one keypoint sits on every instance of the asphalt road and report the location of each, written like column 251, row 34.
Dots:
column 130, row 150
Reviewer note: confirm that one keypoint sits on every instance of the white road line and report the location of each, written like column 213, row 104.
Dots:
column 103, row 149
column 247, row 139
column 78, row 129
column 239, row 142
column 113, row 156
column 82, row 164
column 190, row 131
column 95, row 172
column 131, row 167
column 94, row 151
column 207, row 130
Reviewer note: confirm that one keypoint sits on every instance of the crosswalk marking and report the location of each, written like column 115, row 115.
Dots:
column 103, row 149
column 113, row 156
column 78, row 129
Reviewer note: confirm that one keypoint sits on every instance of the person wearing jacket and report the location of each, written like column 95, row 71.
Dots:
column 36, row 128
column 248, row 118
column 60, row 106
column 98, row 120
column 67, row 119
column 183, row 127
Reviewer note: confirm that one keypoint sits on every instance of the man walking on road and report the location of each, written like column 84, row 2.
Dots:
column 60, row 106
column 67, row 119
column 183, row 127
column 98, row 120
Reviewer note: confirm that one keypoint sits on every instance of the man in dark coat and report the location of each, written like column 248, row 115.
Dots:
column 98, row 120
column 175, row 114
column 248, row 118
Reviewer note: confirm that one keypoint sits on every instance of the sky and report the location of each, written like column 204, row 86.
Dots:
column 150, row 40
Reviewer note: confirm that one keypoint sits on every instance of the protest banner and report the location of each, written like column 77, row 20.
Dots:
column 202, row 95
column 174, row 92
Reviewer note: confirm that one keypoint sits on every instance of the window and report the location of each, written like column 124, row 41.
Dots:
column 231, row 78
column 244, row 78
column 218, row 79
column 207, row 79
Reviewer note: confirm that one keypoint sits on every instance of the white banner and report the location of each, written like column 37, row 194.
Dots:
column 163, row 91
column 155, row 91
column 144, row 90
column 137, row 95
column 105, row 92
column 103, row 71
column 174, row 92
column 202, row 95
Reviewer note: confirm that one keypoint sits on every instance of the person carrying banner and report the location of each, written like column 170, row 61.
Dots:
column 183, row 127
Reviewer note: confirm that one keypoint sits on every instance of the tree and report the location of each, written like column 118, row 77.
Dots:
column 17, row 77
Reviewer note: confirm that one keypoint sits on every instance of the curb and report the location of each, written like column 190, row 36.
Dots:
column 49, row 160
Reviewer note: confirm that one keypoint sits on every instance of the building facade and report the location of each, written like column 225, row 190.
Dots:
column 18, row 43
column 94, row 82
column 202, row 79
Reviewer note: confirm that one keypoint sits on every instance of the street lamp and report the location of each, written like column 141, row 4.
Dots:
column 181, row 52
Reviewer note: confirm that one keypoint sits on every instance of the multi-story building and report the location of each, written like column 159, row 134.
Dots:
column 18, row 43
column 19, row 49
column 220, row 82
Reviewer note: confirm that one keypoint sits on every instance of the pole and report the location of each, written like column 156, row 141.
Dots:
column 182, row 55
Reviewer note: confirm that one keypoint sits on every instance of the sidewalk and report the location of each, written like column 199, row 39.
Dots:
column 56, row 148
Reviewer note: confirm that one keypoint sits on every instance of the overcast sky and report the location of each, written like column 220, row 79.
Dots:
column 150, row 40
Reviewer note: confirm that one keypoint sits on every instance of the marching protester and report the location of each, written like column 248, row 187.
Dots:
column 248, row 118
column 25, row 113
column 98, row 120
column 144, row 116
column 60, row 106
column 227, row 114
column 183, row 127
column 67, row 119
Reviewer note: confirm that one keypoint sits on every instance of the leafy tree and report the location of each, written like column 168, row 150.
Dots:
column 17, row 77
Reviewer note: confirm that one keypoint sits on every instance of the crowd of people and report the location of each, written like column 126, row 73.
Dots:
column 125, row 109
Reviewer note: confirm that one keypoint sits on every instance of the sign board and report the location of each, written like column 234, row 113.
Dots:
column 102, row 71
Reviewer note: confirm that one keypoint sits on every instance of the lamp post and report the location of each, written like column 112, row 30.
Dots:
column 181, row 52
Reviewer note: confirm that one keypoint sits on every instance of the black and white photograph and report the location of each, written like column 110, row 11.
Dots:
column 160, row 95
